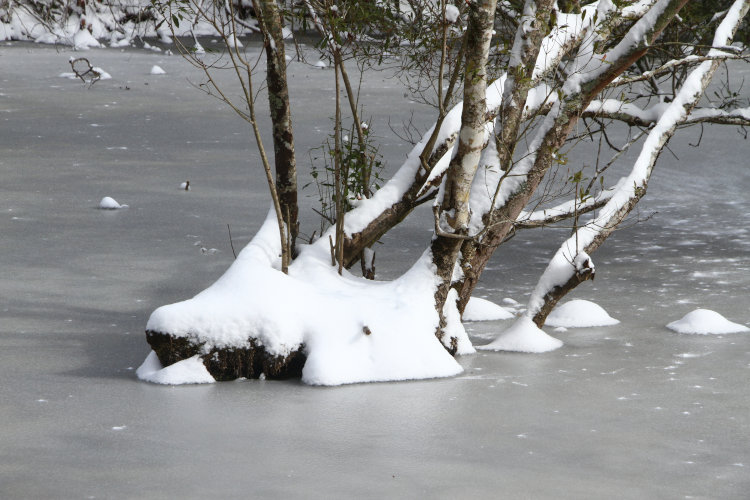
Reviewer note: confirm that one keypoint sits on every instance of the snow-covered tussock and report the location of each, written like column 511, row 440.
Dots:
column 579, row 314
column 706, row 322
column 353, row 330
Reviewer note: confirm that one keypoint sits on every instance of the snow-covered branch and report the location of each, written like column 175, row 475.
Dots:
column 563, row 211
column 675, row 63
column 633, row 115
column 563, row 272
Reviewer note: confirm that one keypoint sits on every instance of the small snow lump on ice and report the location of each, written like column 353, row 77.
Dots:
column 108, row 203
column 579, row 314
column 706, row 322
column 157, row 70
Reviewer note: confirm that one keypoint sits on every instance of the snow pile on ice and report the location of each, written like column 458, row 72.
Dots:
column 157, row 70
column 706, row 322
column 523, row 336
column 579, row 314
column 187, row 371
column 108, row 203
column 103, row 75
column 353, row 330
column 321, row 64
column 479, row 309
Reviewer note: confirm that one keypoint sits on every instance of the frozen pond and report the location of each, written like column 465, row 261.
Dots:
column 627, row 411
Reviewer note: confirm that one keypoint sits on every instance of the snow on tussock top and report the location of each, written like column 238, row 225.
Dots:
column 706, row 322
column 479, row 309
column 253, row 299
column 579, row 314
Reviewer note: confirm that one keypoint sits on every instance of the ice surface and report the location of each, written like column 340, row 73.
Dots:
column 579, row 313
column 81, row 283
column 706, row 322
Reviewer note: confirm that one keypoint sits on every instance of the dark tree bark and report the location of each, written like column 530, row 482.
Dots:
column 278, row 98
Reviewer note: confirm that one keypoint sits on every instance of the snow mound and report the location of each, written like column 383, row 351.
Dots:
column 187, row 371
column 579, row 314
column 479, row 309
column 353, row 330
column 321, row 64
column 523, row 336
column 157, row 70
column 706, row 322
column 108, row 203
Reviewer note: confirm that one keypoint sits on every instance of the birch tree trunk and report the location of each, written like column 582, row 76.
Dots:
column 452, row 217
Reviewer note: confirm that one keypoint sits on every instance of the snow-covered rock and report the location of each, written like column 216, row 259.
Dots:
column 706, row 322
column 523, row 336
column 579, row 314
column 479, row 309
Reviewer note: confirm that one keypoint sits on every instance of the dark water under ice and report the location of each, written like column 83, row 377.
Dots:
column 630, row 411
